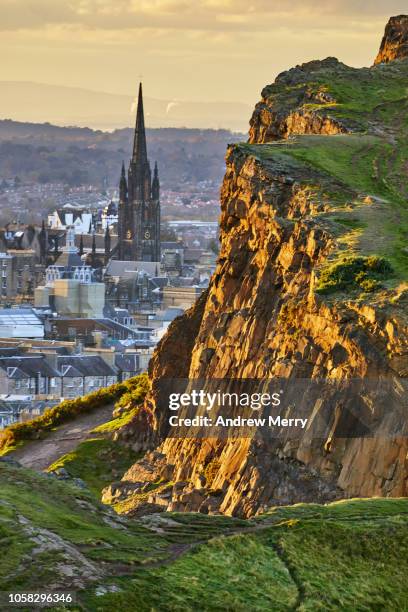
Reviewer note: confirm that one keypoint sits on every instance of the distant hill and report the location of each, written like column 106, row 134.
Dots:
column 49, row 153
column 38, row 102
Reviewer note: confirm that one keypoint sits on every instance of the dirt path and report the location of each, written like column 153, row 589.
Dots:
column 39, row 454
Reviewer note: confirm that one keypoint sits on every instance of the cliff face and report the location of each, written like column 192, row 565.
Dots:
column 394, row 44
column 298, row 104
column 297, row 217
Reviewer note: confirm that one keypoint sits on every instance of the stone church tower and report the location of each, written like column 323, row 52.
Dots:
column 139, row 201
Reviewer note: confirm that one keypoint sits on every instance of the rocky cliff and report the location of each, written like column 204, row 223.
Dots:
column 311, row 283
column 394, row 44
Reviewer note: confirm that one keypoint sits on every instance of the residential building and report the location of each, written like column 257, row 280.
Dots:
column 29, row 375
column 70, row 216
column 82, row 374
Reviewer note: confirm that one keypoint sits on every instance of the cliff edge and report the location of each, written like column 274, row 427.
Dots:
column 311, row 283
column 394, row 44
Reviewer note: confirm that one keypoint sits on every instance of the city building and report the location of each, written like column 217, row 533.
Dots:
column 82, row 374
column 71, row 289
column 181, row 297
column 20, row 323
column 70, row 216
column 93, row 332
column 139, row 201
column 21, row 408
column 29, row 375
column 172, row 257
column 109, row 217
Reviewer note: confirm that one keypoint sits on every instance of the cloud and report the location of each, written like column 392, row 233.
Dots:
column 240, row 15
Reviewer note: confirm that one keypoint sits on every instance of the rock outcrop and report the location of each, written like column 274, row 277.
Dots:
column 307, row 108
column 288, row 211
column 394, row 44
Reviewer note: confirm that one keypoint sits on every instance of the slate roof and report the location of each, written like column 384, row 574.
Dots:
column 27, row 367
column 124, row 269
column 85, row 365
column 127, row 362
column 69, row 260
column 87, row 326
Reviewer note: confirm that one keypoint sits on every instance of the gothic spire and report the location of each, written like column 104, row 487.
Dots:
column 156, row 183
column 139, row 143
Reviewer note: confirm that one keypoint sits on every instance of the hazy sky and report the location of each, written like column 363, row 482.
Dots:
column 185, row 49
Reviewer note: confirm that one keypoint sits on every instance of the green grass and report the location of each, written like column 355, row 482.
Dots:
column 347, row 556
column 372, row 160
column 98, row 462
column 366, row 194
column 364, row 273
column 129, row 393
column 71, row 513
column 117, row 423
column 237, row 573
column 343, row 556
column 362, row 95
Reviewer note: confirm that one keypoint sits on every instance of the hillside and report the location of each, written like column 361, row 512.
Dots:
column 58, row 536
column 311, row 284
column 48, row 153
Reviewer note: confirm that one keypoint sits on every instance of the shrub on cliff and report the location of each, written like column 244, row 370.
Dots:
column 134, row 396
column 69, row 409
column 354, row 272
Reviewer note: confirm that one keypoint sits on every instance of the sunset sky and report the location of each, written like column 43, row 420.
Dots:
column 200, row 50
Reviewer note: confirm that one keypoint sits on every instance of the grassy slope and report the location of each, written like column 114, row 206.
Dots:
column 362, row 95
column 341, row 556
column 352, row 167
column 372, row 162
column 99, row 461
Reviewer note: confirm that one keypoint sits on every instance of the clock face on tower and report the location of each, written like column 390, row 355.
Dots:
column 147, row 234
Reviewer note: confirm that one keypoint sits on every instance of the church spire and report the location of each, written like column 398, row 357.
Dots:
column 123, row 189
column 139, row 143
column 155, row 183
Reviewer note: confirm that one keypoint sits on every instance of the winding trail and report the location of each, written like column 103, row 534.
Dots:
column 39, row 454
